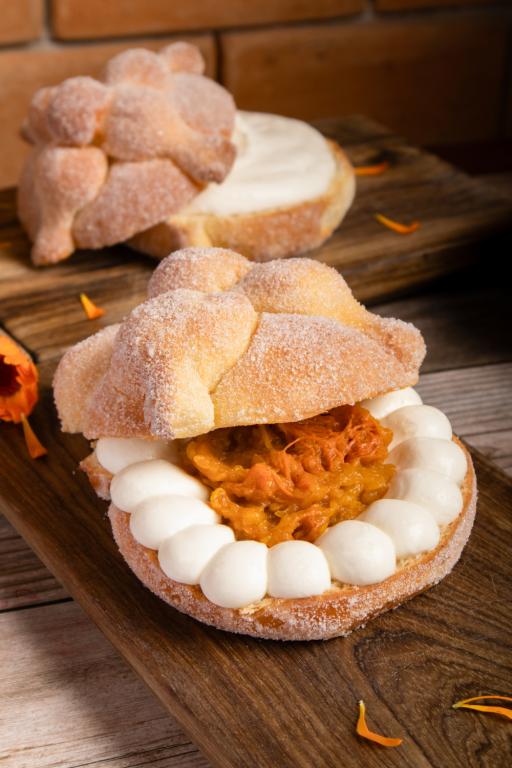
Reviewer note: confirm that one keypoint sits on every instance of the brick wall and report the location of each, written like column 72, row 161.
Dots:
column 438, row 71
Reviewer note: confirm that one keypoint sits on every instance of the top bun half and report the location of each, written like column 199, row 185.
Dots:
column 224, row 342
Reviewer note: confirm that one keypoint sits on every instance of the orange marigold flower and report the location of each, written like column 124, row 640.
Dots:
column 18, row 381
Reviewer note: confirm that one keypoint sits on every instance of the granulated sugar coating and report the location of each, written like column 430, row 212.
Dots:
column 303, row 287
column 298, row 366
column 81, row 370
column 202, row 269
column 144, row 123
column 196, row 98
column 134, row 197
column 183, row 57
column 150, row 107
column 198, row 355
column 138, row 66
column 277, row 201
column 69, row 179
column 76, row 109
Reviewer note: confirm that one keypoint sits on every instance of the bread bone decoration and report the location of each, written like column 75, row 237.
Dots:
column 146, row 155
column 271, row 470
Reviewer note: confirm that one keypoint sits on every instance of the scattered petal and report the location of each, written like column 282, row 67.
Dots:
column 90, row 308
column 503, row 711
column 34, row 446
column 362, row 730
column 401, row 229
column 372, row 170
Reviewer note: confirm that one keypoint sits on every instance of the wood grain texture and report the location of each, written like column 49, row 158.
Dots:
column 244, row 702
column 458, row 318
column 457, row 214
column 24, row 580
column 87, row 708
column 228, row 691
column 484, row 422
column 462, row 318
column 497, row 446
column 476, row 400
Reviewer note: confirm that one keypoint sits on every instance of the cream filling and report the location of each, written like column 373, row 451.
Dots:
column 280, row 162
column 169, row 512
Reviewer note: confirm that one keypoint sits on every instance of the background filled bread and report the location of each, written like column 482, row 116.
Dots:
column 263, row 235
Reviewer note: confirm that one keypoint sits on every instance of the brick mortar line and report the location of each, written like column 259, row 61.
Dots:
column 367, row 16
column 45, row 35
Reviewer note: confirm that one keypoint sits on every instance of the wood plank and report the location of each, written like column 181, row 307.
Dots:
column 461, row 319
column 451, row 316
column 476, row 400
column 228, row 691
column 457, row 214
column 69, row 700
column 499, row 181
column 222, row 688
column 419, row 186
column 497, row 446
column 24, row 580
column 485, row 422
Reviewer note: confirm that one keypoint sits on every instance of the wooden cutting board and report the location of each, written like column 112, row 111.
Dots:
column 257, row 703
column 457, row 213
column 293, row 705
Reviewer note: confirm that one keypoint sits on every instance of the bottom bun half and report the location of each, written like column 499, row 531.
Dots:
column 336, row 612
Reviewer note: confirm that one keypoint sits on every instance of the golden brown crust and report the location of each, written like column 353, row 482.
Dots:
column 332, row 614
column 263, row 235
column 97, row 475
column 285, row 341
column 79, row 373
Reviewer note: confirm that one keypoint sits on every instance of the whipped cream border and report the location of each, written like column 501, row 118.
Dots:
column 423, row 498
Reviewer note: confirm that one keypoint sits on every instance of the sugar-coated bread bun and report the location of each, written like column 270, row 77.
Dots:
column 221, row 342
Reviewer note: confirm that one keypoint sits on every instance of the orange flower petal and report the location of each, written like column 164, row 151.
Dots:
column 35, row 448
column 18, row 381
column 401, row 229
column 90, row 308
column 362, row 730
column 371, row 170
column 503, row 711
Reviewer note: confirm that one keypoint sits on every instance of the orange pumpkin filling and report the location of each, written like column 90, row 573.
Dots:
column 275, row 482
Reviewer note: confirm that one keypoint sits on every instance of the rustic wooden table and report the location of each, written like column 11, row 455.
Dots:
column 69, row 700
